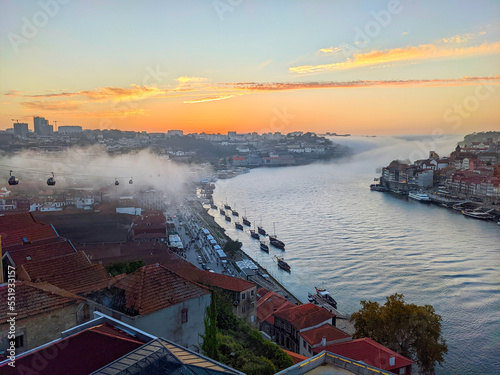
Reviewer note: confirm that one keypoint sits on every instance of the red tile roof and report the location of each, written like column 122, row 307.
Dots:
column 36, row 252
column 79, row 354
column 35, row 298
column 297, row 358
column 370, row 352
column 32, row 233
column 193, row 273
column 16, row 221
column 304, row 316
column 270, row 303
column 154, row 287
column 331, row 333
column 73, row 272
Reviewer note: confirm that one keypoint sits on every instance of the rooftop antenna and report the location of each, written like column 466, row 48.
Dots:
column 55, row 125
column 17, row 121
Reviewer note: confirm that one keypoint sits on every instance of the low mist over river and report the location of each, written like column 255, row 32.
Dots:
column 364, row 245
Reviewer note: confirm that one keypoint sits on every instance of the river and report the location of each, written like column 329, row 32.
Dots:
column 364, row 245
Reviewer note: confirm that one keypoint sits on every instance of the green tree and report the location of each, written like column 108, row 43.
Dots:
column 210, row 344
column 232, row 247
column 129, row 267
column 410, row 330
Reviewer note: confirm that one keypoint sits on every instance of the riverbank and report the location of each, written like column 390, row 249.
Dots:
column 262, row 278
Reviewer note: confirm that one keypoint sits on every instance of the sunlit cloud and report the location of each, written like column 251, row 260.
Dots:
column 14, row 93
column 329, row 51
column 462, row 38
column 404, row 33
column 187, row 80
column 421, row 52
column 208, row 99
column 134, row 92
column 51, row 105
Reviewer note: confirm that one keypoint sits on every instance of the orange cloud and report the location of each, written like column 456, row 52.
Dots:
column 421, row 52
column 329, row 51
column 186, row 80
column 208, row 99
column 51, row 105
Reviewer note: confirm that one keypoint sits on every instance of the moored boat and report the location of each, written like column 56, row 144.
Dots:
column 261, row 231
column 378, row 187
column 282, row 264
column 213, row 206
column 238, row 226
column 255, row 235
column 235, row 213
column 264, row 247
column 222, row 212
column 276, row 243
column 228, row 218
column 419, row 196
column 477, row 214
column 246, row 221
column 325, row 296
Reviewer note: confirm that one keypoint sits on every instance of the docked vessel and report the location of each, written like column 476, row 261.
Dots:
column 246, row 222
column 228, row 218
column 419, row 196
column 235, row 213
column 282, row 264
column 478, row 214
column 222, row 212
column 264, row 247
column 261, row 231
column 276, row 243
column 325, row 296
column 238, row 226
column 255, row 235
column 377, row 187
column 227, row 207
column 213, row 206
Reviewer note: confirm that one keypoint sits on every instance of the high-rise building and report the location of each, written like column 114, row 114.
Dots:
column 21, row 129
column 41, row 126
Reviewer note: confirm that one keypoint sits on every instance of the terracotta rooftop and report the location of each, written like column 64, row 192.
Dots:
column 370, row 352
column 16, row 221
column 36, row 252
column 297, row 358
column 269, row 304
column 331, row 333
column 35, row 298
column 154, row 287
column 25, row 235
column 303, row 316
column 73, row 272
column 79, row 354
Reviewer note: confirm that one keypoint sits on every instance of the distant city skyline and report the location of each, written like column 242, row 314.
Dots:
column 372, row 67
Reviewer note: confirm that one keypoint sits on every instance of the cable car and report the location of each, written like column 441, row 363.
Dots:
column 130, row 181
column 51, row 181
column 12, row 179
column 116, row 182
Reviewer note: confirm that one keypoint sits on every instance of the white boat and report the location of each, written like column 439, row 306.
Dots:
column 481, row 215
column 421, row 197
column 325, row 296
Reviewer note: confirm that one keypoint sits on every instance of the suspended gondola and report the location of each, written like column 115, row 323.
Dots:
column 116, row 182
column 131, row 181
column 51, row 181
column 12, row 179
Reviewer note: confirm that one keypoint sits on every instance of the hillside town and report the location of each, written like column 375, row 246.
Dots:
column 467, row 180
column 221, row 150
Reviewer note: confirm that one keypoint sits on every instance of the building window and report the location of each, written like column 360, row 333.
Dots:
column 19, row 341
column 242, row 296
column 243, row 308
column 184, row 316
column 252, row 292
column 310, row 350
column 304, row 344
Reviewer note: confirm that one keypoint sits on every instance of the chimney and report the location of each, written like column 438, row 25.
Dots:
column 323, row 341
column 392, row 361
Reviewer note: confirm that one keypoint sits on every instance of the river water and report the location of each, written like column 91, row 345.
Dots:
column 364, row 245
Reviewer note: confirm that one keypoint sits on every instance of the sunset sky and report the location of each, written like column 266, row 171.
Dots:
column 359, row 67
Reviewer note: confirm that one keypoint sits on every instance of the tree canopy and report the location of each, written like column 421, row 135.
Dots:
column 410, row 330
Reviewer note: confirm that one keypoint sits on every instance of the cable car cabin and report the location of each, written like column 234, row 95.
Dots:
column 51, row 181
column 13, row 180
column 117, row 183
column 130, row 182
